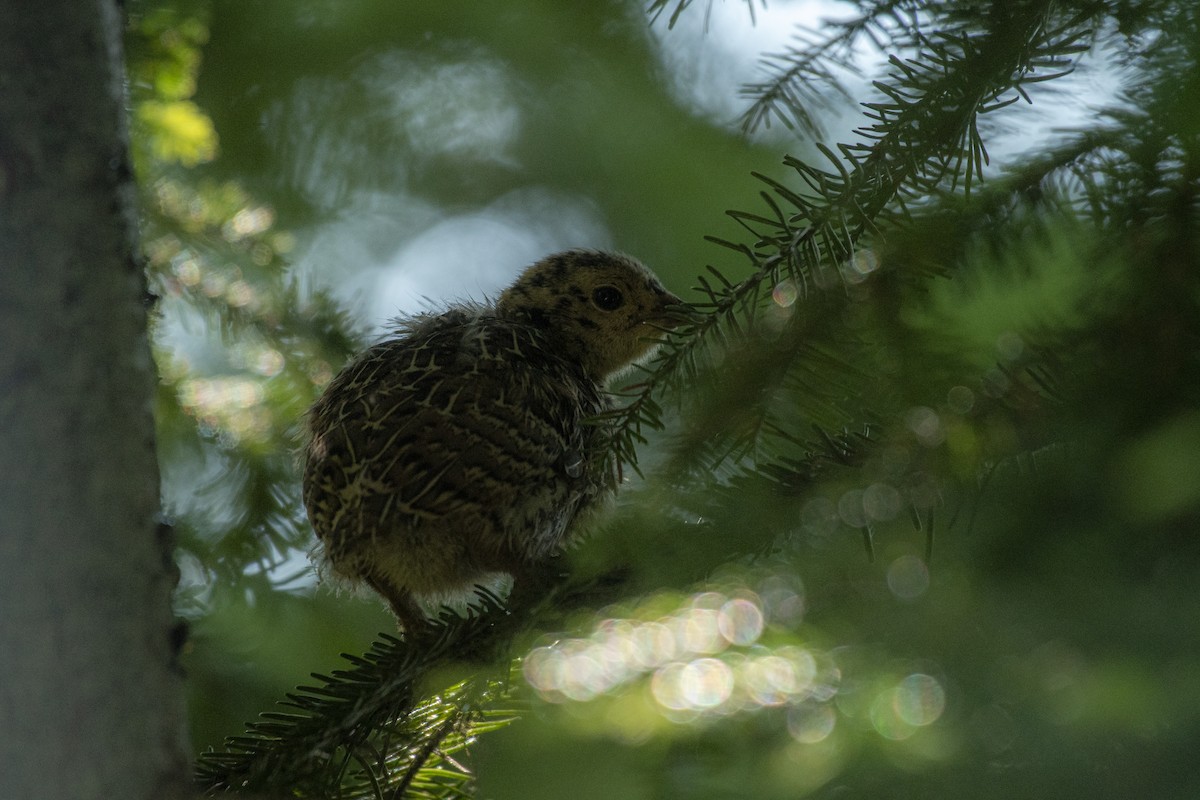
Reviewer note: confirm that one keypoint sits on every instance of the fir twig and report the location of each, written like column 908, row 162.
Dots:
column 371, row 715
column 922, row 138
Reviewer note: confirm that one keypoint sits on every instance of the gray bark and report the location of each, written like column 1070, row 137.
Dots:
column 91, row 704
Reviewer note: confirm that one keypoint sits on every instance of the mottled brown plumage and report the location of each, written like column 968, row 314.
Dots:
column 456, row 450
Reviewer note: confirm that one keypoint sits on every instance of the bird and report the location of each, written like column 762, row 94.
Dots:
column 463, row 447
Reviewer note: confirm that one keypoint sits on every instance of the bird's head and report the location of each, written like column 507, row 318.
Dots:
column 605, row 309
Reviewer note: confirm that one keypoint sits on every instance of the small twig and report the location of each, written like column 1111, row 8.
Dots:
column 435, row 741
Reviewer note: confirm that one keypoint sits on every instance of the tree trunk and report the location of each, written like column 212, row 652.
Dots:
column 91, row 704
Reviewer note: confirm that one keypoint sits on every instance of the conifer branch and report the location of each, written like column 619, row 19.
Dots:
column 378, row 729
column 923, row 139
column 795, row 77
column 656, row 7
column 366, row 731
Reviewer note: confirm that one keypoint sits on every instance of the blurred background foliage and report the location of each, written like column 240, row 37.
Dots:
column 923, row 519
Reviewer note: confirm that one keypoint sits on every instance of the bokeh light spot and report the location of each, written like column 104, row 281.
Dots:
column 740, row 621
column 785, row 294
column 232, row 406
column 188, row 271
column 685, row 658
column 881, row 501
column 698, row 630
column 240, row 294
column 653, row 644
column 666, row 686
column 884, row 719
column 811, row 724
column 783, row 599
column 777, row 679
column 919, row 700
column 908, row 577
column 850, row 509
column 248, row 222
column 860, row 266
column 960, row 399
column 1009, row 346
column 706, row 683
column 925, row 423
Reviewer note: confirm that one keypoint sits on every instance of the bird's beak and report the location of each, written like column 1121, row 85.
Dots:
column 675, row 312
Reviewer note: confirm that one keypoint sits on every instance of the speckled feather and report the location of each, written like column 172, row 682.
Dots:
column 456, row 448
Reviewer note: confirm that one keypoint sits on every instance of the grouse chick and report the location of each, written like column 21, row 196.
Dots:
column 457, row 450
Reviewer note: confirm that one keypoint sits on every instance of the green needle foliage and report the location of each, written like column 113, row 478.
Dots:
column 390, row 724
column 369, row 731
column 922, row 143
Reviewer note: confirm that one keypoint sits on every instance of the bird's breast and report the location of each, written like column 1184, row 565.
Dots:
column 480, row 424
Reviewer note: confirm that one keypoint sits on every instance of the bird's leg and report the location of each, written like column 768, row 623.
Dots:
column 532, row 581
column 410, row 616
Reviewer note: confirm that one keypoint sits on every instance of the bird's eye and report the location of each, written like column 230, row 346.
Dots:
column 608, row 298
